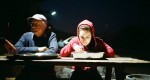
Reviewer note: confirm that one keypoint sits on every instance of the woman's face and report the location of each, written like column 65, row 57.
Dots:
column 85, row 37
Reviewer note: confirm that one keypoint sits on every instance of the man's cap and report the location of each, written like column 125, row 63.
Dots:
column 37, row 17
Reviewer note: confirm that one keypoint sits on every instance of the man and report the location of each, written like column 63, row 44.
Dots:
column 39, row 40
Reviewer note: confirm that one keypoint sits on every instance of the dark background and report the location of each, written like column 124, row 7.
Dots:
column 123, row 24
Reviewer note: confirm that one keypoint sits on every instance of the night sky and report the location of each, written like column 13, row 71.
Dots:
column 123, row 24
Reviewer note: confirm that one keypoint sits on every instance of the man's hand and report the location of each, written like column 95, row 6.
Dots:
column 42, row 49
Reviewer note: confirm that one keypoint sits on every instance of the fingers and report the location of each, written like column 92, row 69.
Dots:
column 45, row 48
column 42, row 49
column 78, row 48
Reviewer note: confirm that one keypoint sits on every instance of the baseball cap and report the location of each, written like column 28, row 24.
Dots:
column 37, row 17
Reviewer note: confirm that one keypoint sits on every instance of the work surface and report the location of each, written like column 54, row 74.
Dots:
column 68, row 61
column 124, row 61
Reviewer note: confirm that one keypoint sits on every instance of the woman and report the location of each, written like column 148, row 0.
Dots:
column 86, row 41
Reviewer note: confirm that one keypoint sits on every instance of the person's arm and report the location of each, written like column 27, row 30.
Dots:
column 67, row 49
column 22, row 45
column 53, row 45
column 109, row 52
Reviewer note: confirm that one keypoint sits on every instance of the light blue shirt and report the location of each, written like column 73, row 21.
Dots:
column 26, row 44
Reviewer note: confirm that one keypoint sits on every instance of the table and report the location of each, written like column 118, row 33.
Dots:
column 67, row 61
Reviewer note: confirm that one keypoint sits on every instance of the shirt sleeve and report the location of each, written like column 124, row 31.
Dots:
column 109, row 52
column 66, row 51
column 22, row 45
column 53, row 45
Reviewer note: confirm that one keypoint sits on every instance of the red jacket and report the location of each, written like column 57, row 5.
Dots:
column 100, row 47
column 99, row 44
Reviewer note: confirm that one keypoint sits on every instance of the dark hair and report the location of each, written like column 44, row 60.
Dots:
column 84, row 27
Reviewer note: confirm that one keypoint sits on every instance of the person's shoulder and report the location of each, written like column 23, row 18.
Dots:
column 53, row 33
column 99, row 39
column 74, row 37
column 27, row 33
column 66, row 41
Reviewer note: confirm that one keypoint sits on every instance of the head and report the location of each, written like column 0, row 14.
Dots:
column 84, row 34
column 38, row 24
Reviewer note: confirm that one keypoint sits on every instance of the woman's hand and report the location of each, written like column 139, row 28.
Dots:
column 78, row 48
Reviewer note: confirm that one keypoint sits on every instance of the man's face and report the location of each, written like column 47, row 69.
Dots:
column 85, row 37
column 38, row 27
